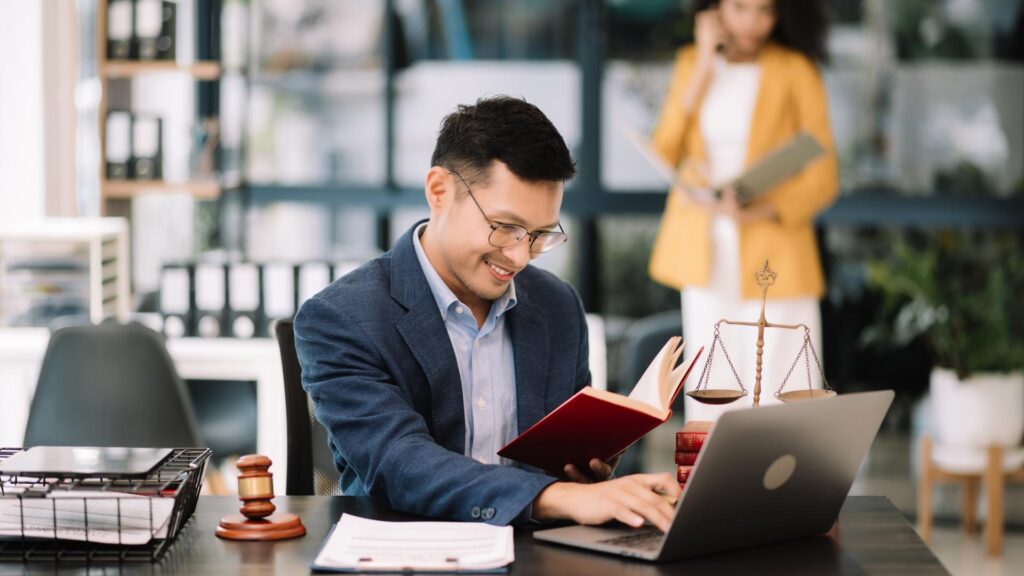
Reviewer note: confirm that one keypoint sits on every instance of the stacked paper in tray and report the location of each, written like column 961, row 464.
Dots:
column 102, row 517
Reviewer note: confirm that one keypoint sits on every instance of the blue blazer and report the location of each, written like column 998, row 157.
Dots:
column 377, row 362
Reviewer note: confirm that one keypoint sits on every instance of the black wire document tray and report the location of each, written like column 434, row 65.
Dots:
column 75, row 518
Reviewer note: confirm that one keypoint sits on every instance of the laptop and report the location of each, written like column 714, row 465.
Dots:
column 764, row 475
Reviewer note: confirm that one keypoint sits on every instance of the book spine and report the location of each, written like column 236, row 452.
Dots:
column 686, row 458
column 683, row 474
column 690, row 441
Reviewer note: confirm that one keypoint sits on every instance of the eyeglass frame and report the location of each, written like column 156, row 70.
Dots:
column 494, row 227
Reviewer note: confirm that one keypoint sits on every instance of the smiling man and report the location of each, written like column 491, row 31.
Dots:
column 424, row 362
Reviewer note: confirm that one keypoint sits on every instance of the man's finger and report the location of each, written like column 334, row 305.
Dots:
column 654, row 507
column 666, row 487
column 601, row 470
column 627, row 516
column 573, row 473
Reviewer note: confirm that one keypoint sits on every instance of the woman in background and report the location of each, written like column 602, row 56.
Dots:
column 747, row 85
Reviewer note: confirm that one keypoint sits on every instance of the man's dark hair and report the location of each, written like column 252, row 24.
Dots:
column 799, row 25
column 507, row 129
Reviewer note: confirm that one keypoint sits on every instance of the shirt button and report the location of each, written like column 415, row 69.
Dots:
column 487, row 513
column 481, row 403
column 459, row 309
column 475, row 512
column 476, row 344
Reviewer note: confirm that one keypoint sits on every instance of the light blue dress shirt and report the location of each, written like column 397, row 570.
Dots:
column 486, row 364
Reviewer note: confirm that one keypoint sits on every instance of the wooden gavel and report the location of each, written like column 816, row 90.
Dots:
column 258, row 520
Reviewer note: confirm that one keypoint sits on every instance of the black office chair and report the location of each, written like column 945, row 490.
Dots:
column 110, row 385
column 643, row 340
column 311, row 469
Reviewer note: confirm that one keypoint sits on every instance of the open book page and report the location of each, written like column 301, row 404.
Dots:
column 625, row 401
column 659, row 382
column 88, row 516
column 360, row 544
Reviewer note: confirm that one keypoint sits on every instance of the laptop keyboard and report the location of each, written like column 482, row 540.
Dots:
column 644, row 540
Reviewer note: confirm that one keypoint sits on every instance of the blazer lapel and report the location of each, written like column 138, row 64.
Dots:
column 529, row 331
column 424, row 333
column 770, row 94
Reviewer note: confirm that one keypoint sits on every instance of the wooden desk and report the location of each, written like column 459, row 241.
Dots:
column 873, row 539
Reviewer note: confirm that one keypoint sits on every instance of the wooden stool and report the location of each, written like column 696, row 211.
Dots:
column 258, row 521
column 994, row 478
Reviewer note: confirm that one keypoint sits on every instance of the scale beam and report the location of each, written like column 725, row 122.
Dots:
column 765, row 279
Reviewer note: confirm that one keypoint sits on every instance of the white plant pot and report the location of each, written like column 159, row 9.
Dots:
column 983, row 410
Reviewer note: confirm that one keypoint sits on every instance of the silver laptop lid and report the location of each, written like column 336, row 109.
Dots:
column 774, row 473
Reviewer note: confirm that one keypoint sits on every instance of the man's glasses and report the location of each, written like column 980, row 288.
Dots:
column 506, row 235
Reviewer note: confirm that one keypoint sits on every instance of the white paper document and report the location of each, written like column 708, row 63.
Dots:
column 361, row 545
column 112, row 518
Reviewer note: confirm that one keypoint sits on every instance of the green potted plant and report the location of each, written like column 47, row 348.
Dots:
column 963, row 293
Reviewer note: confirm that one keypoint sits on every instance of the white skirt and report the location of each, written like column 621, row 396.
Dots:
column 703, row 306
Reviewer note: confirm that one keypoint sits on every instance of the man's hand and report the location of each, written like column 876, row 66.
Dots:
column 598, row 470
column 630, row 500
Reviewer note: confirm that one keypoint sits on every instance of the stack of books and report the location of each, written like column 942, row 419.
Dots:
column 689, row 440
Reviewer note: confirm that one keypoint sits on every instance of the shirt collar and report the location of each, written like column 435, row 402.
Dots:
column 443, row 295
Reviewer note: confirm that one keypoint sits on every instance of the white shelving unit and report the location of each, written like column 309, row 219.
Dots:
column 55, row 264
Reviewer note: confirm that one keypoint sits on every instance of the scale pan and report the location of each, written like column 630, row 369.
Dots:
column 715, row 396
column 798, row 395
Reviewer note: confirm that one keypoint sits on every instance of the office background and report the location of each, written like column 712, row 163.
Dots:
column 299, row 131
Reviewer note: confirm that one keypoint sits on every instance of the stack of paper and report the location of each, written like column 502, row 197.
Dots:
column 88, row 516
column 361, row 545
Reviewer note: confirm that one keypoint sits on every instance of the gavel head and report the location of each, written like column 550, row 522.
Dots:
column 255, row 486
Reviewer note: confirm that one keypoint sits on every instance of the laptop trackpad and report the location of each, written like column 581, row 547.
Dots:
column 614, row 538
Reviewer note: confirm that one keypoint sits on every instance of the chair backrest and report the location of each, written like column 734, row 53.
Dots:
column 598, row 352
column 311, row 469
column 110, row 385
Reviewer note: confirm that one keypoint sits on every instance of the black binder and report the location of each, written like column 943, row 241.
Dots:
column 118, row 144
column 211, row 299
column 244, row 301
column 177, row 299
column 147, row 134
column 165, row 43
column 279, row 291
column 120, row 28
column 148, row 20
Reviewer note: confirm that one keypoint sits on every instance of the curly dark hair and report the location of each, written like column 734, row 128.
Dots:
column 799, row 25
column 507, row 129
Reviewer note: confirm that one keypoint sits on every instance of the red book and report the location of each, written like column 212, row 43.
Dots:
column 683, row 473
column 690, row 438
column 600, row 424
column 686, row 458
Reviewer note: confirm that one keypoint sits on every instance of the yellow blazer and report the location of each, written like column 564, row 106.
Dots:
column 791, row 98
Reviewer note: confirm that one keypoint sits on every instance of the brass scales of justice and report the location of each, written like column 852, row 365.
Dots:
column 765, row 279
